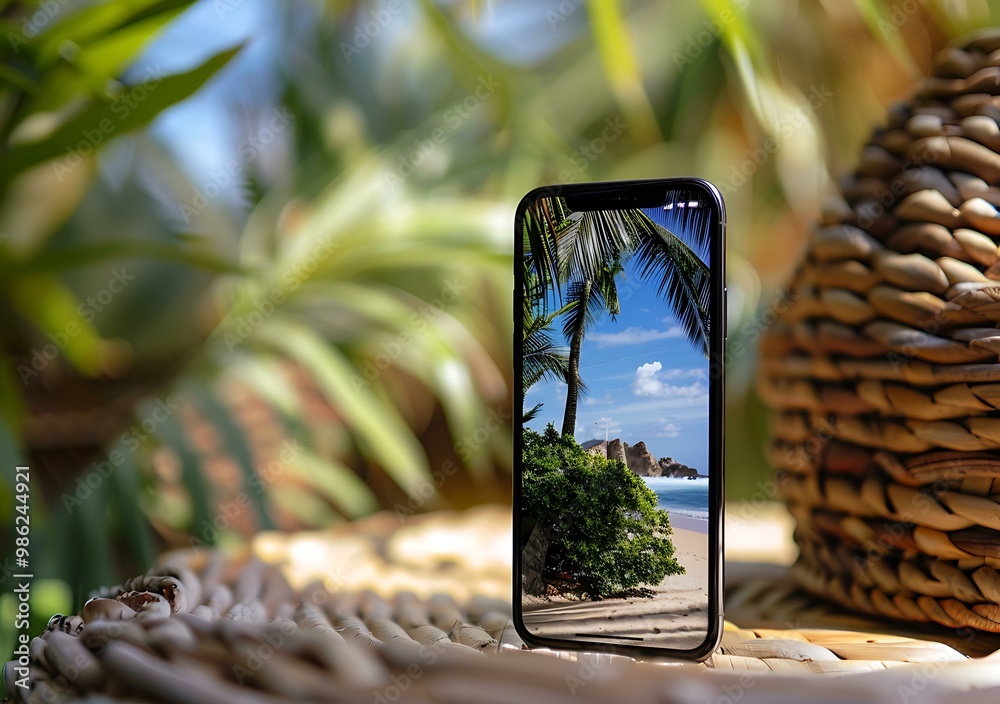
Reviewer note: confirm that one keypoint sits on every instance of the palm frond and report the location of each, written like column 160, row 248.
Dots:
column 541, row 220
column 542, row 360
column 591, row 239
column 693, row 224
column 682, row 279
column 542, row 357
column 531, row 413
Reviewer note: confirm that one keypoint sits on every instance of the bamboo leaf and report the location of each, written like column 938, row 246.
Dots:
column 50, row 306
column 72, row 257
column 126, row 494
column 338, row 483
column 115, row 117
column 11, row 403
column 376, row 424
column 172, row 434
column 879, row 25
column 107, row 56
column 94, row 24
column 269, row 379
column 10, row 457
column 234, row 438
column 91, row 65
column 89, row 524
column 302, row 503
column 621, row 68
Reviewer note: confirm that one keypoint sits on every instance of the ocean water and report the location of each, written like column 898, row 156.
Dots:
column 682, row 497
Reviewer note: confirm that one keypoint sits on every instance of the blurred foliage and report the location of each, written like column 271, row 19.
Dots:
column 317, row 324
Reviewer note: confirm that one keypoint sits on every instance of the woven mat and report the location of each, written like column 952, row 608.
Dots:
column 417, row 611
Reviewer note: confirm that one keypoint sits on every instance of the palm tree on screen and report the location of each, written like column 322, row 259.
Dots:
column 591, row 298
column 572, row 254
column 541, row 356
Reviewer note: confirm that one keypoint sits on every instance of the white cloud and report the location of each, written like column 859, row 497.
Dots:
column 677, row 373
column 668, row 431
column 651, row 380
column 633, row 335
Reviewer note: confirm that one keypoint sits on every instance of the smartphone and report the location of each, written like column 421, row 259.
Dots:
column 618, row 483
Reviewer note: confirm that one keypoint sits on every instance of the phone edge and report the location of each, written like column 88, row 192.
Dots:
column 716, row 432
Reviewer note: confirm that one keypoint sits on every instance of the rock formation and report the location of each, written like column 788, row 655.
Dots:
column 640, row 460
column 671, row 468
column 616, row 451
column 596, row 447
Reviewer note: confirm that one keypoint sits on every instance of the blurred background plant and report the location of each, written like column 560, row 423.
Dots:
column 256, row 257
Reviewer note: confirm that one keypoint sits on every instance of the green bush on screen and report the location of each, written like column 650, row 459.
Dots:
column 605, row 535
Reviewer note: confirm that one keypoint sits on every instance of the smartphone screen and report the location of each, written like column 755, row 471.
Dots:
column 618, row 480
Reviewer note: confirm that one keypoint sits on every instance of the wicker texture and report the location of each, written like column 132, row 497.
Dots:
column 204, row 628
column 882, row 371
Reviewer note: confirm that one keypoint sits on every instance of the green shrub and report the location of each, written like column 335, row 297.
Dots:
column 603, row 533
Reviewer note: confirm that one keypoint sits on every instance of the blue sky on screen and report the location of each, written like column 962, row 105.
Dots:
column 645, row 381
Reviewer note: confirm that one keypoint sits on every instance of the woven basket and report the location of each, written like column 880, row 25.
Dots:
column 882, row 372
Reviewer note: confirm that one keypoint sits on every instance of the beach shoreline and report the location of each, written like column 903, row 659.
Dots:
column 681, row 522
column 675, row 617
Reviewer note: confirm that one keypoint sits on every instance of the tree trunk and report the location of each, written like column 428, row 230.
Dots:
column 573, row 376
column 533, row 561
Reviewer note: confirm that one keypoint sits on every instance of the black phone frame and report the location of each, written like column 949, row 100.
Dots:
column 613, row 195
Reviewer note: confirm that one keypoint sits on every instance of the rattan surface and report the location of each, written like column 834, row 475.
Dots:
column 207, row 628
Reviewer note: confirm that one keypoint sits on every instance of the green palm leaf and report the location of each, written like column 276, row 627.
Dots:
column 587, row 305
column 681, row 278
column 591, row 240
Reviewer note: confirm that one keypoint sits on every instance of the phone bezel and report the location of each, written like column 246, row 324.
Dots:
column 624, row 193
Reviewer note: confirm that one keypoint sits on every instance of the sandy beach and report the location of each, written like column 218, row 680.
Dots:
column 675, row 617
